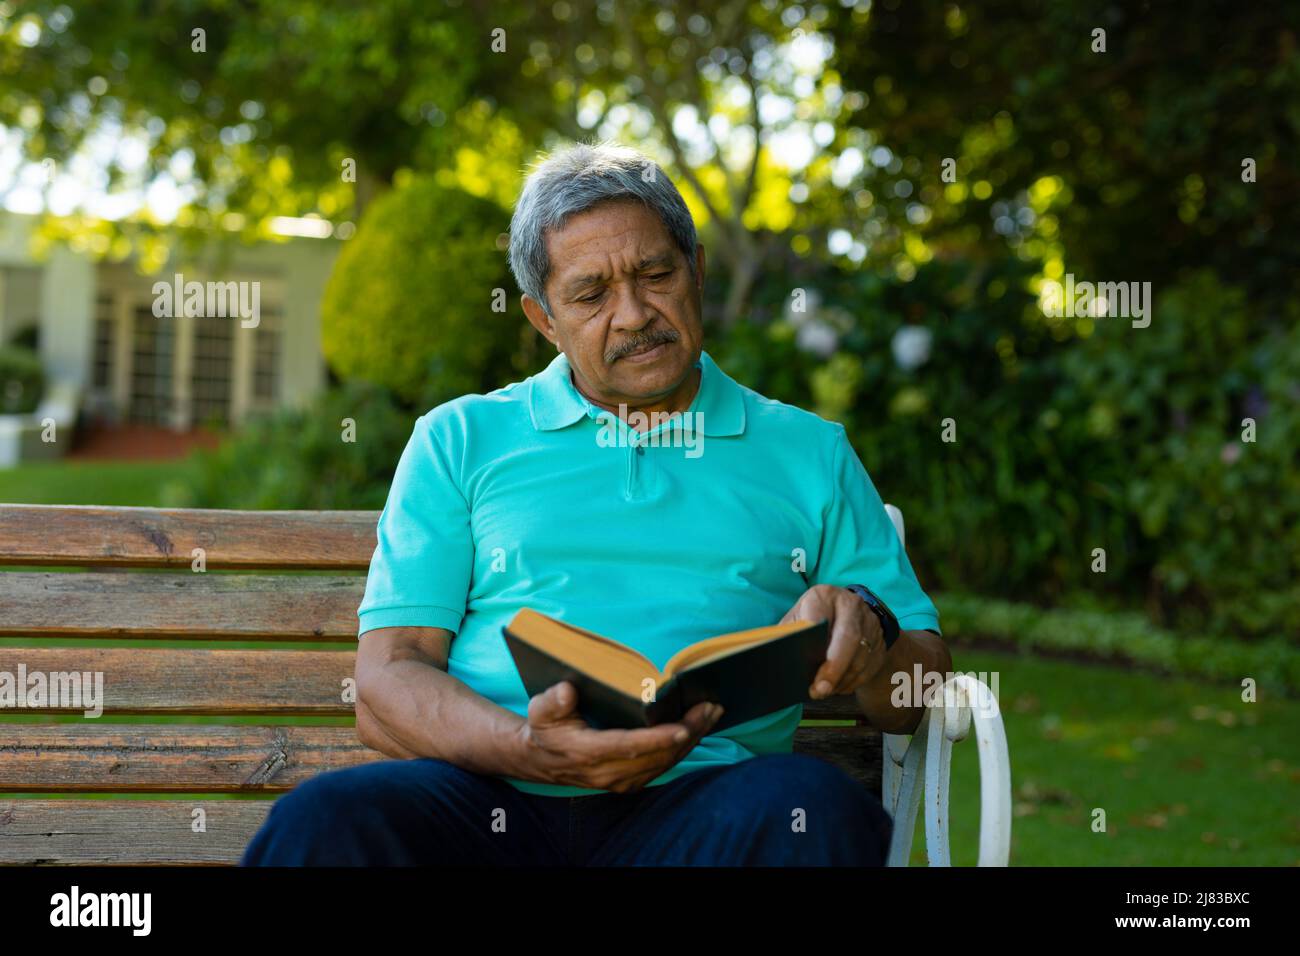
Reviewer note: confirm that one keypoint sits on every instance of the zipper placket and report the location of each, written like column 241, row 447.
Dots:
column 633, row 450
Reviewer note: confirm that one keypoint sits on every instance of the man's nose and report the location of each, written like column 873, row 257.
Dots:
column 632, row 310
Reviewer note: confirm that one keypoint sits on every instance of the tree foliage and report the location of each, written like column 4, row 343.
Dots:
column 1122, row 164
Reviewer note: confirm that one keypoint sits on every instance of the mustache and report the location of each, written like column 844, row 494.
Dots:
column 649, row 340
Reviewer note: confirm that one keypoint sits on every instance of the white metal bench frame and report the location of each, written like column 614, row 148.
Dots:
column 922, row 763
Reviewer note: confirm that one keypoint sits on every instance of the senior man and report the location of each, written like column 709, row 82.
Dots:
column 519, row 499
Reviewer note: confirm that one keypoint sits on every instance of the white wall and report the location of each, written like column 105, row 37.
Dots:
column 302, row 364
column 67, row 317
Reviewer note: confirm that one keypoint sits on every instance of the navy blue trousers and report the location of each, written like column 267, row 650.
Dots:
column 774, row 810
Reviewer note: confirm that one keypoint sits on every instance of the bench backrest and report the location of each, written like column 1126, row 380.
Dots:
column 219, row 685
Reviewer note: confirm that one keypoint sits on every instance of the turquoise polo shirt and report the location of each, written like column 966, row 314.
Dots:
column 718, row 521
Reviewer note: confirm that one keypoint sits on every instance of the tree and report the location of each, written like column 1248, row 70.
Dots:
column 1120, row 164
column 268, row 102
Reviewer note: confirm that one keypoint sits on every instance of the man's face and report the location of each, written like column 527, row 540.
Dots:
column 624, row 307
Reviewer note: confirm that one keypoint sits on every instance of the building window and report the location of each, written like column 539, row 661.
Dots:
column 211, row 376
column 153, row 348
column 20, row 306
column 102, row 370
column 266, row 359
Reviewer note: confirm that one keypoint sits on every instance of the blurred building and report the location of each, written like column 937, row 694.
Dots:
column 107, row 354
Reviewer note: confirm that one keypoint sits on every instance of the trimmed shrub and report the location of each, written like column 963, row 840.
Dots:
column 409, row 303
column 22, row 380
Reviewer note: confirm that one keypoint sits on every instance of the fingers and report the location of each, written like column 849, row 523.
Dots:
column 848, row 660
column 813, row 605
column 859, row 672
column 616, row 760
column 636, row 744
column 647, row 741
column 639, row 743
column 839, row 653
column 697, row 722
column 558, row 702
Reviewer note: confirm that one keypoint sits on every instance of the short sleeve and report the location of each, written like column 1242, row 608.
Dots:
column 860, row 546
column 420, row 572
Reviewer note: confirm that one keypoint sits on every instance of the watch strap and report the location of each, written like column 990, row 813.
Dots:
column 888, row 622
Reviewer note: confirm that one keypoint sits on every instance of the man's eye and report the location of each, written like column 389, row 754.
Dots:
column 596, row 296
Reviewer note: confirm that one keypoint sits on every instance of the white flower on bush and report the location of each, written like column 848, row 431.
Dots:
column 801, row 305
column 817, row 337
column 911, row 346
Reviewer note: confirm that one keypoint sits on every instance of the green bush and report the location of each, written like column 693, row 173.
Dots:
column 1213, row 513
column 409, row 302
column 299, row 459
column 22, row 380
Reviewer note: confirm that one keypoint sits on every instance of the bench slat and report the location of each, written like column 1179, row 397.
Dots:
column 234, row 682
column 155, row 538
column 38, row 758
column 231, row 606
column 213, row 682
column 126, row 832
column 844, row 707
column 855, row 750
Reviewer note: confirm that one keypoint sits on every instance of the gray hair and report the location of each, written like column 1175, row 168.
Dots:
column 573, row 180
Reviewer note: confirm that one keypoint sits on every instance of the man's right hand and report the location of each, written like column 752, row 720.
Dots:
column 562, row 748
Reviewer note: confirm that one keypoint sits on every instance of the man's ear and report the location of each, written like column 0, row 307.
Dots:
column 699, row 265
column 538, row 318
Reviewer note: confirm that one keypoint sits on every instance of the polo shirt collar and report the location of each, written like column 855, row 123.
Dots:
column 555, row 403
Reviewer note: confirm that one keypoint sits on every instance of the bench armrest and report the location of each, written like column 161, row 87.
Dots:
column 923, row 765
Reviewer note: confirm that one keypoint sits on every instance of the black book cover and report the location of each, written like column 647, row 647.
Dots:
column 758, row 680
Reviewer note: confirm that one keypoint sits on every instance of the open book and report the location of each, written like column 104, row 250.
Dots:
column 750, row 673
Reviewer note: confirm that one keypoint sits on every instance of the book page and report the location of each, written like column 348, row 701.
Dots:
column 713, row 648
column 613, row 663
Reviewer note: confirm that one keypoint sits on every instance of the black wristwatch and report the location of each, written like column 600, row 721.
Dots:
column 888, row 623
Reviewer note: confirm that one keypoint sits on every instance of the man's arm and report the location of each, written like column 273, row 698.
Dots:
column 912, row 647
column 860, row 546
column 409, row 706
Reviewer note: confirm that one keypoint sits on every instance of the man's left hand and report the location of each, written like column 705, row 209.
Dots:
column 857, row 647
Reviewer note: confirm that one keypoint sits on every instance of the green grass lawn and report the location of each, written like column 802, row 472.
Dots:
column 1187, row 773
column 90, row 482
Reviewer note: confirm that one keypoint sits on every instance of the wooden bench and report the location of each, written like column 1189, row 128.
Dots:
column 79, row 790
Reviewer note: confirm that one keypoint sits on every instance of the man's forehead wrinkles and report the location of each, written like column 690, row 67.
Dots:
column 585, row 235
column 602, row 275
